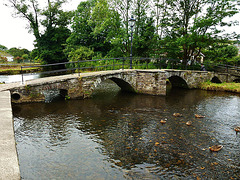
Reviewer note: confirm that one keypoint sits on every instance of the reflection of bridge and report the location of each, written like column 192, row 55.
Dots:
column 151, row 82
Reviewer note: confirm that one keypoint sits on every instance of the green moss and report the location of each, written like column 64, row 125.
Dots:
column 34, row 95
column 28, row 88
column 67, row 98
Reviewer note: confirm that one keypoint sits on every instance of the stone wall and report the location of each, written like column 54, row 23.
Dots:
column 151, row 82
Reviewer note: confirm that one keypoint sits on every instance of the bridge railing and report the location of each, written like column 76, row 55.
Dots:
column 104, row 64
column 123, row 63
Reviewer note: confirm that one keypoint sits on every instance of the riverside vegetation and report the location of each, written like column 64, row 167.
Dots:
column 228, row 87
column 16, row 69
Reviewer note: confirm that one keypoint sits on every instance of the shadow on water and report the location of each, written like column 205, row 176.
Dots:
column 116, row 135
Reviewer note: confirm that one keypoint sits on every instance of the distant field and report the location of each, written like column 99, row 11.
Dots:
column 10, row 69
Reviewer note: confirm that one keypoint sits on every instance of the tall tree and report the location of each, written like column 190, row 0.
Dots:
column 48, row 25
column 81, row 30
column 98, row 27
column 123, row 7
column 145, row 33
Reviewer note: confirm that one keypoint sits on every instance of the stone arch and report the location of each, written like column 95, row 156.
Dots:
column 125, row 86
column 177, row 81
column 215, row 79
column 54, row 93
column 122, row 83
column 63, row 92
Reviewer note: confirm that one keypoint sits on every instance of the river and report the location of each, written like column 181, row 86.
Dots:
column 116, row 135
column 18, row 77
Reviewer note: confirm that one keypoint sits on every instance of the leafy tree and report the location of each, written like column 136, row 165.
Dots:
column 16, row 52
column 225, row 54
column 144, row 41
column 81, row 31
column 80, row 54
column 229, row 51
column 236, row 60
column 123, row 7
column 48, row 25
column 25, row 57
column 98, row 27
column 194, row 25
column 144, row 34
column 107, row 28
column 18, row 59
column 3, row 48
column 159, row 12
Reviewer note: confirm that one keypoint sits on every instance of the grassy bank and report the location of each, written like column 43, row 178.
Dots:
column 228, row 87
column 16, row 69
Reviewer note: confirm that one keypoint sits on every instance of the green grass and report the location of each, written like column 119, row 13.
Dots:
column 17, row 70
column 229, row 87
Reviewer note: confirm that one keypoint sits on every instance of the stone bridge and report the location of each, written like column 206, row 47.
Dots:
column 152, row 82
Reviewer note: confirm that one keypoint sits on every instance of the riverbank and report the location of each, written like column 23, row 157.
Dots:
column 228, row 87
column 16, row 69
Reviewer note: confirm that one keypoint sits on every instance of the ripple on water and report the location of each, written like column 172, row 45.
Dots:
column 121, row 137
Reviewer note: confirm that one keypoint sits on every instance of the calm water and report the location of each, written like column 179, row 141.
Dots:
column 18, row 77
column 119, row 136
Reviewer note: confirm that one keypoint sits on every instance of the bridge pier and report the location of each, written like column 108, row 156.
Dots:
column 152, row 82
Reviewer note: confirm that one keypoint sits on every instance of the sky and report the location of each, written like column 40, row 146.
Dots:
column 13, row 31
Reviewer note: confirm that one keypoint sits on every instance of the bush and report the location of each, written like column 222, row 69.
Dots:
column 18, row 59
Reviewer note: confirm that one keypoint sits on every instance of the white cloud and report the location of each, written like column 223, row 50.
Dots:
column 13, row 31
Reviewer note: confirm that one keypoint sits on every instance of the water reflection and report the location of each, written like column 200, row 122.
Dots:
column 17, row 77
column 119, row 136
column 27, row 76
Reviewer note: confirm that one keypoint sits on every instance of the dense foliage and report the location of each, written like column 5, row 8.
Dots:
column 179, row 29
column 49, row 26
